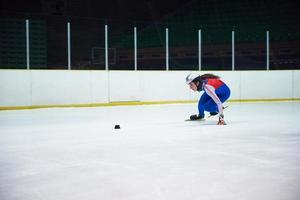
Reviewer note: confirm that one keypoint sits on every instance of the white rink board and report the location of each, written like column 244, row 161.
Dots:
column 266, row 84
column 62, row 87
column 55, row 87
column 164, row 86
column 15, row 88
column 124, row 86
column 296, row 84
column 99, row 88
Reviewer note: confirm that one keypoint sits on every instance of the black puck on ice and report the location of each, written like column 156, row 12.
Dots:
column 117, row 126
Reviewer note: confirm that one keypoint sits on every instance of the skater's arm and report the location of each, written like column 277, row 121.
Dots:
column 210, row 90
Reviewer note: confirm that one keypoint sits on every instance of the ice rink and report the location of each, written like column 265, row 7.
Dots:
column 76, row 154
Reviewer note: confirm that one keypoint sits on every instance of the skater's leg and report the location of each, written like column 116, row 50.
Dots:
column 201, row 104
column 223, row 93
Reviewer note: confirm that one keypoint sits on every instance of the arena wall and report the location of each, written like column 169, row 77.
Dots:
column 29, row 88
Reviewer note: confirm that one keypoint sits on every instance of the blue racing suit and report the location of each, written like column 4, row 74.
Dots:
column 215, row 93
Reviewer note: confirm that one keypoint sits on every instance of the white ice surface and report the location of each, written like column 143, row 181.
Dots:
column 76, row 154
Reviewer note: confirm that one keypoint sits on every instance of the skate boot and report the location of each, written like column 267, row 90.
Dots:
column 196, row 117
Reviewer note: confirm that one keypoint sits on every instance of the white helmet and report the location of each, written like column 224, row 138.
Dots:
column 190, row 78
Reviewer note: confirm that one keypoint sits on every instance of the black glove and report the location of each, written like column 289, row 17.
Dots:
column 221, row 116
column 221, row 120
column 196, row 117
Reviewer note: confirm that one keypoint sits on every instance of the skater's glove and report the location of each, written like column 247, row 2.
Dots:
column 221, row 116
column 221, row 120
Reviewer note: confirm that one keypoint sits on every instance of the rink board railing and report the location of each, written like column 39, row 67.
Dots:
column 65, row 88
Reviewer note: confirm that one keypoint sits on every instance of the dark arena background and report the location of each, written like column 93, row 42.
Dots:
column 219, row 23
